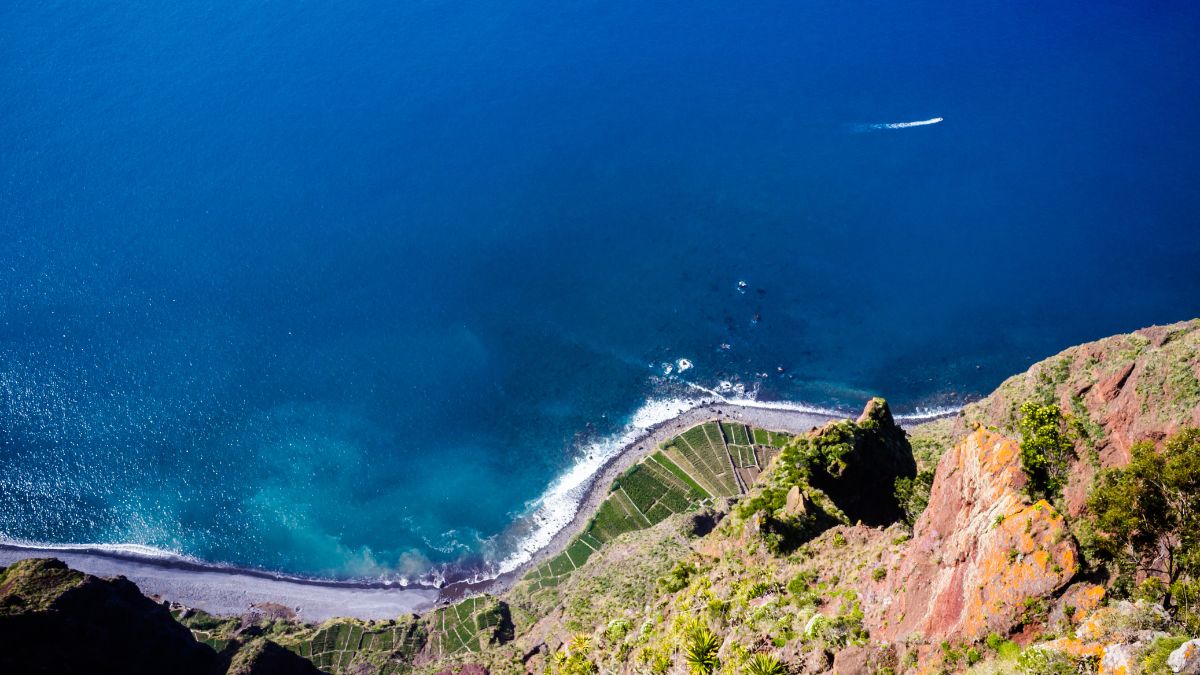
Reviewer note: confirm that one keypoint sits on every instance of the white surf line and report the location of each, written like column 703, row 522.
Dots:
column 919, row 415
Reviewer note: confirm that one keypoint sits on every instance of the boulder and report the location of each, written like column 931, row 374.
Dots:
column 795, row 502
column 981, row 555
column 1186, row 659
column 1117, row 660
column 1078, row 601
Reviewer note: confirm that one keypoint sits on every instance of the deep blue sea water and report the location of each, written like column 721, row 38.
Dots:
column 338, row 288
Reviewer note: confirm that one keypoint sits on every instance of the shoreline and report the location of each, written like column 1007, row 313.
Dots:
column 224, row 591
column 771, row 418
column 221, row 590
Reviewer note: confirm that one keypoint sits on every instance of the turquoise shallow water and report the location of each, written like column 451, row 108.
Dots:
column 339, row 289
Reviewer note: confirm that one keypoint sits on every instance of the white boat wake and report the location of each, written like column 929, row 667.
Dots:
column 898, row 125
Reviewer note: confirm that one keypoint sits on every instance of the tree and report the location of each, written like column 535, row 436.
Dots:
column 1045, row 450
column 1148, row 514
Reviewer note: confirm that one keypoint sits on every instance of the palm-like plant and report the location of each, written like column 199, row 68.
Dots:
column 701, row 651
column 764, row 664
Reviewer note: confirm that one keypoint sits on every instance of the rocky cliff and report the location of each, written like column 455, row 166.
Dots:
column 980, row 551
column 58, row 621
column 1117, row 391
column 810, row 570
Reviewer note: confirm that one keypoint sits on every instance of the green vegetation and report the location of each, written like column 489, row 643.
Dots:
column 913, row 495
column 701, row 651
column 677, row 579
column 1147, row 519
column 764, row 664
column 574, row 659
column 1155, row 659
column 686, row 473
column 680, row 474
column 35, row 584
column 1045, row 449
column 1040, row 661
column 825, row 451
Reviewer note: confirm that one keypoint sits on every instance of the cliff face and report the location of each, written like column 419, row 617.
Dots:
column 57, row 620
column 979, row 552
column 850, row 592
column 880, row 453
column 1117, row 391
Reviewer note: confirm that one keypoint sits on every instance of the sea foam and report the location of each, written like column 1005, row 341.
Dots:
column 558, row 505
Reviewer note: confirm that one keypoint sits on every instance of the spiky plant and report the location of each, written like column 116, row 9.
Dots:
column 764, row 664
column 701, row 651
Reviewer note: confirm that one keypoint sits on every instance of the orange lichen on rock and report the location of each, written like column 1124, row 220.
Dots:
column 979, row 551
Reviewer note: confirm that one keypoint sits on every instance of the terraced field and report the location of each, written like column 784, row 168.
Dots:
column 338, row 646
column 468, row 626
column 706, row 461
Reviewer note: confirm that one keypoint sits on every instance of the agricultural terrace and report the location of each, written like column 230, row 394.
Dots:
column 709, row 460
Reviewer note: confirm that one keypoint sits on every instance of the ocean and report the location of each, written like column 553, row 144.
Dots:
column 339, row 289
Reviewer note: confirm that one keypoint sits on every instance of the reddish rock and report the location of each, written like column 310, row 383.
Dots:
column 864, row 659
column 1120, row 390
column 979, row 550
column 1078, row 601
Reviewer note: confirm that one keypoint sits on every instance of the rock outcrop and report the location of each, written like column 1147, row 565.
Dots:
column 878, row 454
column 1117, row 391
column 263, row 657
column 56, row 620
column 1186, row 659
column 980, row 555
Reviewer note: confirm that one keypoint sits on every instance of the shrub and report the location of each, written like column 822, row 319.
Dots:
column 764, row 664
column 677, row 579
column 912, row 494
column 1045, row 449
column 573, row 660
column 994, row 641
column 800, row 583
column 879, row 574
column 1155, row 660
column 617, row 629
column 1008, row 651
column 701, row 651
column 1038, row 661
column 1147, row 516
column 839, row 539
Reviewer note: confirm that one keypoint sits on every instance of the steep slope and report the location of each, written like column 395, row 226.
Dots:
column 56, row 620
column 979, row 552
column 1116, row 391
